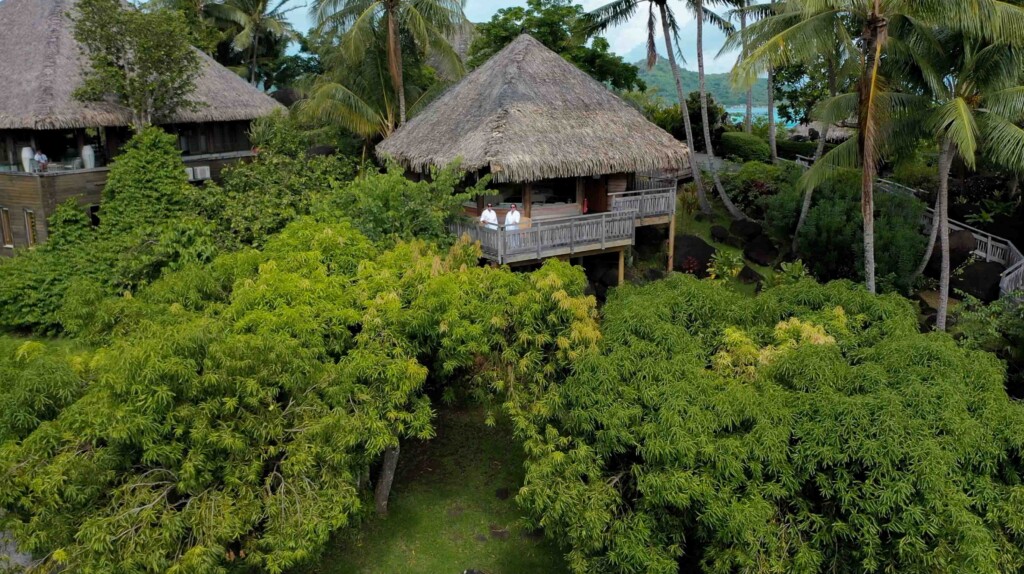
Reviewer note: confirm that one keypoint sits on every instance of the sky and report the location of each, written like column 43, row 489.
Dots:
column 629, row 40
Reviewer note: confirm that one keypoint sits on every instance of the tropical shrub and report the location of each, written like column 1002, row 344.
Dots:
column 388, row 207
column 144, row 228
column 755, row 182
column 745, row 147
column 234, row 410
column 831, row 240
column 789, row 149
column 811, row 429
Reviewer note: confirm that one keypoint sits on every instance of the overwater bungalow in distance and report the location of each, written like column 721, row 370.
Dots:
column 40, row 68
column 586, row 167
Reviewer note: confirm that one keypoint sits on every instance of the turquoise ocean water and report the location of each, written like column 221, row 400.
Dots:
column 736, row 114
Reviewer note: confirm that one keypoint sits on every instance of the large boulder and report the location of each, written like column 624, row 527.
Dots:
column 287, row 97
column 692, row 255
column 719, row 233
column 961, row 246
column 746, row 230
column 981, row 280
column 761, row 250
column 748, row 276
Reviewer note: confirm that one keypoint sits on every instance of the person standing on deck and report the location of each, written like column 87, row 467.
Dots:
column 512, row 219
column 489, row 218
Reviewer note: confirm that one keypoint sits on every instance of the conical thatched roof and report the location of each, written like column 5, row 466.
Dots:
column 40, row 67
column 527, row 114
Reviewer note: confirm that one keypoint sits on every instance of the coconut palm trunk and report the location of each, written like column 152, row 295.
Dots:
column 252, row 62
column 395, row 59
column 818, row 153
column 945, row 165
column 874, row 40
column 933, row 234
column 748, row 119
column 382, row 492
column 702, row 198
column 734, row 211
column 772, row 144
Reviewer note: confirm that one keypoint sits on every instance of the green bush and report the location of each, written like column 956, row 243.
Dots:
column 916, row 173
column 789, row 149
column 831, row 241
column 811, row 429
column 746, row 147
column 755, row 183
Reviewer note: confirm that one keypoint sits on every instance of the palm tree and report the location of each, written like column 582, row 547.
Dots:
column 429, row 24
column 812, row 24
column 979, row 104
column 621, row 11
column 254, row 19
column 741, row 12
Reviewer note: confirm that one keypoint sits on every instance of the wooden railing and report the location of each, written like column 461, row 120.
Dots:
column 551, row 238
column 646, row 182
column 657, row 202
column 987, row 246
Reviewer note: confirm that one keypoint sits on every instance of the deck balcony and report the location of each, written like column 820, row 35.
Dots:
column 654, row 203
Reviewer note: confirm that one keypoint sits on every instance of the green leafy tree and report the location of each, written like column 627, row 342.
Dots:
column 143, row 59
column 889, row 35
column 253, row 20
column 807, row 430
column 564, row 28
column 621, row 11
column 361, row 23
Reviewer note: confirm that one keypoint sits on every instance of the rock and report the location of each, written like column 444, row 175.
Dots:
column 748, row 276
column 761, row 250
column 692, row 255
column 733, row 241
column 719, row 233
column 321, row 150
column 980, row 279
column 961, row 245
column 502, row 493
column 746, row 230
column 655, row 274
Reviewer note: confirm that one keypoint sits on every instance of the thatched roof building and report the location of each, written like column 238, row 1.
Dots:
column 527, row 115
column 40, row 68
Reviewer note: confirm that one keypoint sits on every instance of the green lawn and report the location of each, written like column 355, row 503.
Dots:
column 452, row 508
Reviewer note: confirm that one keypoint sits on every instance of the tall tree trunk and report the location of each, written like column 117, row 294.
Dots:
column 395, row 62
column 385, row 479
column 874, row 38
column 252, row 63
column 933, row 233
column 748, row 119
column 734, row 211
column 945, row 164
column 698, row 181
column 772, row 144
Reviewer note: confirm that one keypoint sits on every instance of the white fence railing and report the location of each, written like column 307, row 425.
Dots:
column 987, row 246
column 656, row 202
column 551, row 238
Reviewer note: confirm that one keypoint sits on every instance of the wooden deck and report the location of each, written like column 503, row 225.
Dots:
column 552, row 238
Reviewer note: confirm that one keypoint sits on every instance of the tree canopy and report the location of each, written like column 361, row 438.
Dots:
column 564, row 28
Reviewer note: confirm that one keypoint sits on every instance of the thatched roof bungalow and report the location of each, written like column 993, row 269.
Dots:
column 526, row 115
column 40, row 68
column 557, row 143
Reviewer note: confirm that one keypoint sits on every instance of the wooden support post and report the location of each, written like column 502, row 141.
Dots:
column 622, row 266
column 671, row 241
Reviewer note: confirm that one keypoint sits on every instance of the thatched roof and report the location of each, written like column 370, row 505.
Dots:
column 527, row 114
column 40, row 67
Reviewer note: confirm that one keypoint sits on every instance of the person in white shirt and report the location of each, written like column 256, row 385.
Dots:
column 489, row 218
column 512, row 219
column 41, row 159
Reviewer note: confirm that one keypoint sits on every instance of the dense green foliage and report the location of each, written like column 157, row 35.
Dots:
column 668, row 118
column 810, row 429
column 831, row 242
column 237, row 407
column 659, row 80
column 789, row 149
column 145, row 227
column 563, row 27
column 755, row 183
column 745, row 147
column 143, row 59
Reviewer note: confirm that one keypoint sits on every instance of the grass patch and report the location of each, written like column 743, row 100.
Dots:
column 452, row 508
